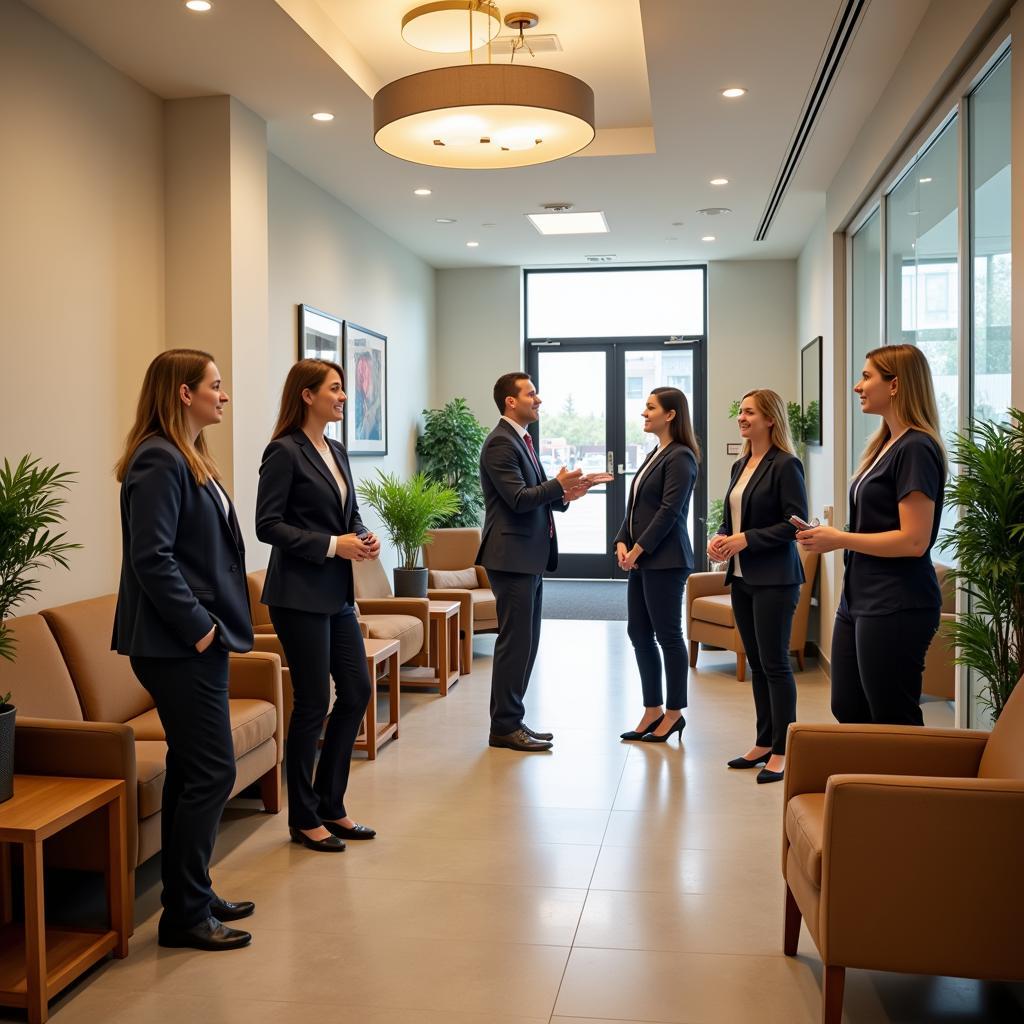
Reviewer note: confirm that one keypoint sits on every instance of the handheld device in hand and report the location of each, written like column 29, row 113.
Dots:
column 802, row 524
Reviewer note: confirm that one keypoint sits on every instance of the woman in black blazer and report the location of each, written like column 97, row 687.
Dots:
column 306, row 509
column 891, row 603
column 182, row 605
column 764, row 573
column 653, row 546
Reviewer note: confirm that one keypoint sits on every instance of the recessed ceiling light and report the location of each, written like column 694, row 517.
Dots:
column 731, row 94
column 719, row 181
column 444, row 220
column 924, row 181
column 323, row 115
column 488, row 224
column 422, row 192
column 913, row 213
column 714, row 211
column 677, row 223
column 198, row 5
column 472, row 245
column 592, row 223
column 708, row 238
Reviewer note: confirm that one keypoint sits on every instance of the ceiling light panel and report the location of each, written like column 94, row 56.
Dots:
column 569, row 223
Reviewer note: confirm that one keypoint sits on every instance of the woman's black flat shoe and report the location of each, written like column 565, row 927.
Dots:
column 332, row 844
column 766, row 776
column 743, row 762
column 677, row 726
column 356, row 832
column 634, row 735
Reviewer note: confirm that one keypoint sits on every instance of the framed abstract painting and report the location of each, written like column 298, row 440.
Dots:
column 366, row 383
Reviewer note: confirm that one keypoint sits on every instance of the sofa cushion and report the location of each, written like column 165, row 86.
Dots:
column 406, row 629
column 453, row 579
column 38, row 680
column 716, row 609
column 252, row 722
column 147, row 726
column 805, row 829
column 107, row 687
column 151, row 765
column 485, row 607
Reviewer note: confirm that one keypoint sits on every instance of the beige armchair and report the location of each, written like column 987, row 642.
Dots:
column 709, row 618
column 939, row 669
column 405, row 619
column 450, row 558
column 866, row 808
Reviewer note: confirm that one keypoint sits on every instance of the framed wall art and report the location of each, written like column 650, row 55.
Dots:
column 321, row 336
column 810, row 390
column 366, row 383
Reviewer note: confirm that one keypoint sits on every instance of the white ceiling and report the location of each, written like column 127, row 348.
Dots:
column 650, row 62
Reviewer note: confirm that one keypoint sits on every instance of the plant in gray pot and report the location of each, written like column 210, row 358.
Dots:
column 409, row 510
column 31, row 500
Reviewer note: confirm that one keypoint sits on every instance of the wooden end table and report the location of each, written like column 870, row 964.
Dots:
column 37, row 961
column 380, row 654
column 445, row 650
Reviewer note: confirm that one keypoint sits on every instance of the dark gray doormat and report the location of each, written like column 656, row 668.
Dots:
column 585, row 599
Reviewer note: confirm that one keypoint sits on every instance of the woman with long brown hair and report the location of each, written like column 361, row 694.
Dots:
column 764, row 571
column 306, row 509
column 182, row 605
column 891, row 600
column 653, row 546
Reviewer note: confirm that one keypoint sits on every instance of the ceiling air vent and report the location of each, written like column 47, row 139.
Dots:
column 602, row 258
column 502, row 46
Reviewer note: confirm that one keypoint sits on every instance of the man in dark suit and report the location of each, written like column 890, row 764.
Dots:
column 518, row 545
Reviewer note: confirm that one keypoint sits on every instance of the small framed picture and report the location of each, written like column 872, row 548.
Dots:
column 321, row 336
column 366, row 383
column 734, row 448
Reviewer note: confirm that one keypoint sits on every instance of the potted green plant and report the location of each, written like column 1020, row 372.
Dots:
column 987, row 545
column 409, row 510
column 30, row 503
column 449, row 451
column 802, row 423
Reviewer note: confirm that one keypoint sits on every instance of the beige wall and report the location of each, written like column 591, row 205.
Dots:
column 325, row 255
column 81, row 273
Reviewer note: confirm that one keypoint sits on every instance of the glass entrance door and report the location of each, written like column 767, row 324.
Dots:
column 593, row 394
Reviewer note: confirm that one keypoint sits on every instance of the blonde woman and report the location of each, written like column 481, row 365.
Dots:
column 182, row 606
column 891, row 600
column 764, row 572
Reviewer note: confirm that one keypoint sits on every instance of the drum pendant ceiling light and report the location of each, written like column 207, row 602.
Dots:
column 482, row 116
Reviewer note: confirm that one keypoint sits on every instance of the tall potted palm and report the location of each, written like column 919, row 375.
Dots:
column 31, row 500
column 409, row 510
column 987, row 544
column 449, row 451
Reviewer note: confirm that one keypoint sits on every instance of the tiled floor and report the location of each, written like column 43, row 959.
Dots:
column 604, row 881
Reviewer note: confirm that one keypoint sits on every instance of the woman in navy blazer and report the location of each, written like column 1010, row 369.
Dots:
column 653, row 546
column 306, row 509
column 764, row 572
column 182, row 605
column 891, row 603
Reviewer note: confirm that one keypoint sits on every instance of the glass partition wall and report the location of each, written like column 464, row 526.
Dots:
column 945, row 214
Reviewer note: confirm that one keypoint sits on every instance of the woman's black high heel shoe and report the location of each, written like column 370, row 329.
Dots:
column 634, row 735
column 677, row 726
column 329, row 844
column 752, row 762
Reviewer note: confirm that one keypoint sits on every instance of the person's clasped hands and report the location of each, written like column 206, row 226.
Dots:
column 358, row 548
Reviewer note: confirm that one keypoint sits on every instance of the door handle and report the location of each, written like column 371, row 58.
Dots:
column 610, row 461
column 622, row 469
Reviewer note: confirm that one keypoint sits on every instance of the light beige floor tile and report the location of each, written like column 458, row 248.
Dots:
column 688, row 988
column 757, row 834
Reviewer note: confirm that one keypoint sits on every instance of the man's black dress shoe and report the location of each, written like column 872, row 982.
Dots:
column 209, row 934
column 633, row 734
column 536, row 735
column 331, row 844
column 356, row 832
column 752, row 762
column 766, row 776
column 518, row 740
column 225, row 910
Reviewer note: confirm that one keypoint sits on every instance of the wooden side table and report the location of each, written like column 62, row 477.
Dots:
column 380, row 654
column 445, row 650
column 37, row 961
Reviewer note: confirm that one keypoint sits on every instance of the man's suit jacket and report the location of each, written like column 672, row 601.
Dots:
column 659, row 503
column 298, row 510
column 182, row 561
column 775, row 492
column 518, row 497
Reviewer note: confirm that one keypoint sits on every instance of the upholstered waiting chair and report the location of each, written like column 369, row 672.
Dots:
column 866, row 808
column 939, row 668
column 405, row 619
column 450, row 558
column 709, row 617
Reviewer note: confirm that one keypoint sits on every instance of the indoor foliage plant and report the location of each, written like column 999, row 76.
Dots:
column 30, row 503
column 449, row 451
column 987, row 544
column 409, row 510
